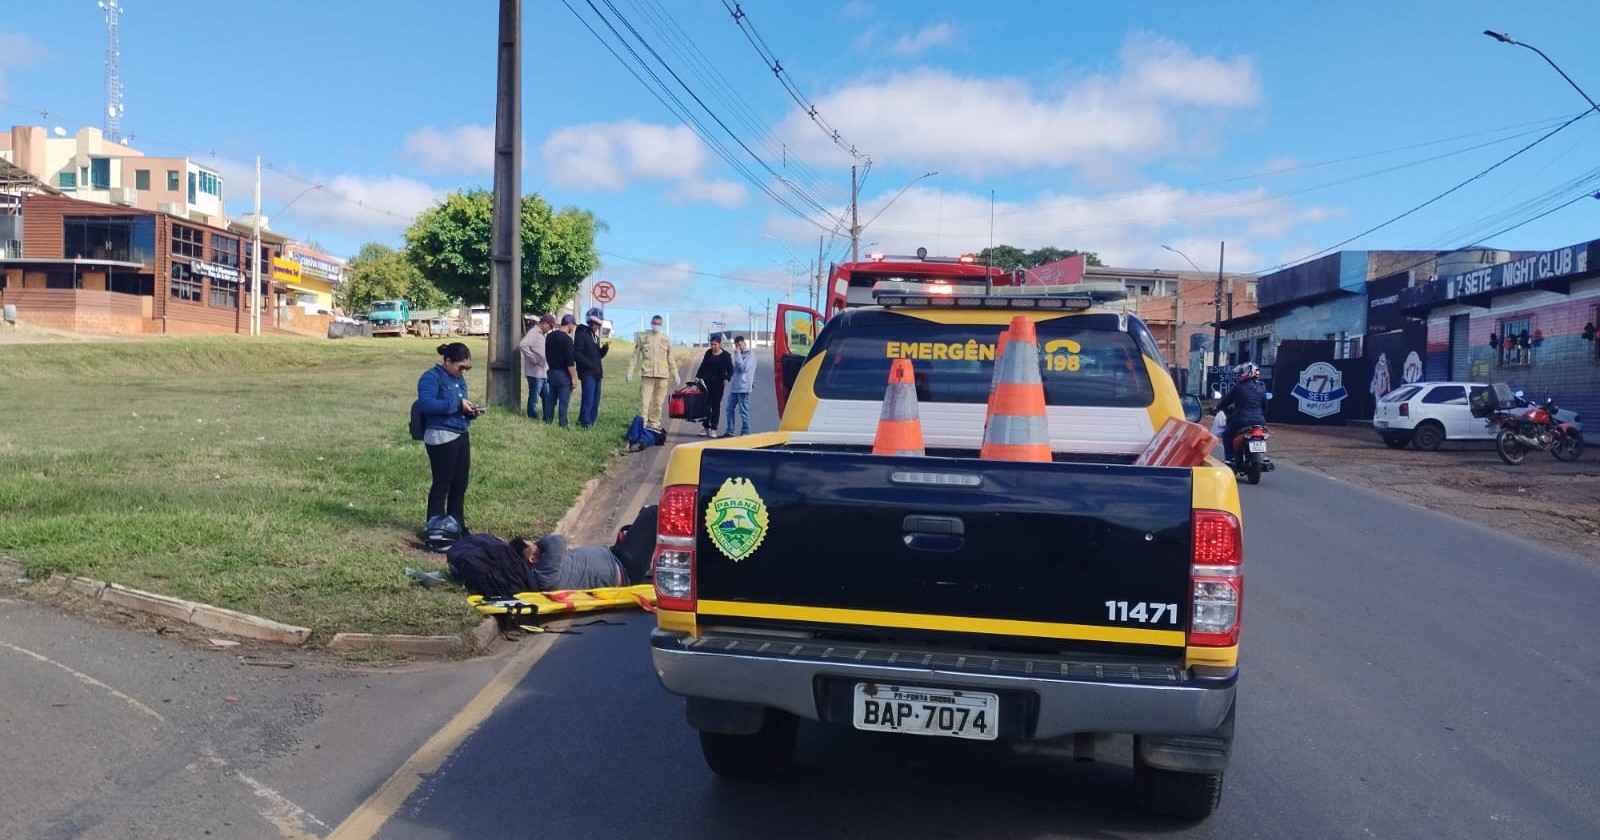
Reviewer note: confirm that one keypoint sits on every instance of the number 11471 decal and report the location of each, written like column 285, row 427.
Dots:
column 1143, row 612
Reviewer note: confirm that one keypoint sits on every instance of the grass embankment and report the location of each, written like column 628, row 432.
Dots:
column 271, row 476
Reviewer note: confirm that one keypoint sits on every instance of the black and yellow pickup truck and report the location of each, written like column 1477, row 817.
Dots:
column 801, row 576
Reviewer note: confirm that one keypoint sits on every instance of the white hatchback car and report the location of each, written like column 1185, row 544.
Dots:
column 1426, row 414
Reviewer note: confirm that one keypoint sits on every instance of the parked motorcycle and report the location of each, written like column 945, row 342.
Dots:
column 1535, row 429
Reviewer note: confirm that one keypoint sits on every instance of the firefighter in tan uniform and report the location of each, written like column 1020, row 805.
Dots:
column 652, row 359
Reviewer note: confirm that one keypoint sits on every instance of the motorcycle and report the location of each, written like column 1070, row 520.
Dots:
column 1250, row 450
column 1535, row 429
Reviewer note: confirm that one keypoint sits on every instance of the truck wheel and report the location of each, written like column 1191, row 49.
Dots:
column 1428, row 436
column 1168, row 793
column 762, row 755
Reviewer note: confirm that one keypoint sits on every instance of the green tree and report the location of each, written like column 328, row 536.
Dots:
column 450, row 243
column 1009, row 257
column 379, row 272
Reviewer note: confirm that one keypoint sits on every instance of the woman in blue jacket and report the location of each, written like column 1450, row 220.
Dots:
column 442, row 394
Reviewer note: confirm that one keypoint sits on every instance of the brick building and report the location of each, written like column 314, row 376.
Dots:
column 103, row 268
column 1183, row 323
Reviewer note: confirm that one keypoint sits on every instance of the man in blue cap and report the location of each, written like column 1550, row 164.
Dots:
column 589, row 352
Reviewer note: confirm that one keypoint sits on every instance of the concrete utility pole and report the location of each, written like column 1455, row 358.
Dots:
column 255, row 258
column 1216, row 323
column 816, row 286
column 855, row 226
column 505, row 255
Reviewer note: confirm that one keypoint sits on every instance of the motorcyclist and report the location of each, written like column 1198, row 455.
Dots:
column 1245, row 405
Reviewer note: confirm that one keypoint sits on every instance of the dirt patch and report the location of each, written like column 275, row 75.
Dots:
column 1546, row 501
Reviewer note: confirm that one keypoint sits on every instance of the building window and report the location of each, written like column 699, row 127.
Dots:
column 141, row 179
column 191, row 188
column 1515, row 338
column 210, row 184
column 100, row 173
column 67, row 180
column 224, row 294
column 185, row 284
column 123, row 238
column 173, row 184
column 224, row 250
column 188, row 242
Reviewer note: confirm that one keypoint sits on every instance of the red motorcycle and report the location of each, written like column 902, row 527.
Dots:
column 1536, row 429
column 1250, row 453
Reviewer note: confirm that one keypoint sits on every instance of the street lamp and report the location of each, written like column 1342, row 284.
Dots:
column 856, row 229
column 1185, row 257
column 255, row 250
column 1507, row 39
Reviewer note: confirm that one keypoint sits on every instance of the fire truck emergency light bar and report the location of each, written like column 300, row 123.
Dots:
column 972, row 295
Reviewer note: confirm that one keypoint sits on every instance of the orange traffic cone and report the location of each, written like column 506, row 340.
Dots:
column 999, row 353
column 1017, row 428
column 899, row 427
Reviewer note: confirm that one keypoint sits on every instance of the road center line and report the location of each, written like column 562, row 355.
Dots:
column 87, row 680
column 369, row 817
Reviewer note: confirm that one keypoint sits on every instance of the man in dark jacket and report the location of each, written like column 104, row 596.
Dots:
column 489, row 567
column 563, row 371
column 1246, row 406
column 716, row 368
column 588, row 350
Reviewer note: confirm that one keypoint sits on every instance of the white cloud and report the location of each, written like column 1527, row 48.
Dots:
column 1152, row 107
column 716, row 191
column 608, row 156
column 927, row 38
column 17, row 50
column 856, row 10
column 466, row 149
column 1125, row 228
column 347, row 206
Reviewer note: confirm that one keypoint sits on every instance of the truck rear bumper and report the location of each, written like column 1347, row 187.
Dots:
column 1066, row 696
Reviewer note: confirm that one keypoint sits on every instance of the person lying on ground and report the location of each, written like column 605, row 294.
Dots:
column 490, row 567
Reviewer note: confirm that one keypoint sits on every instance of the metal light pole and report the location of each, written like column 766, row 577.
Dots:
column 1216, row 323
column 505, row 255
column 855, row 228
column 1507, row 39
column 255, row 258
column 1177, row 303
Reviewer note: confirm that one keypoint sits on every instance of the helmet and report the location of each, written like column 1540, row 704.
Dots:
column 1248, row 370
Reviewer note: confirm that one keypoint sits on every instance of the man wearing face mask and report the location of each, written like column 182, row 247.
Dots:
column 652, row 358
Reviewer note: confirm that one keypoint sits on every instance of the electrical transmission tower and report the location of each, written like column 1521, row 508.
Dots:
column 113, row 10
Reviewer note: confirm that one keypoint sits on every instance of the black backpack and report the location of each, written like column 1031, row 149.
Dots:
column 419, row 423
column 487, row 566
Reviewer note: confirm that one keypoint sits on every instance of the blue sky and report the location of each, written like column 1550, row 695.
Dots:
column 1117, row 128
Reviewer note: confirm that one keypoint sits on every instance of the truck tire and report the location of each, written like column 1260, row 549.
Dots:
column 1168, row 793
column 762, row 755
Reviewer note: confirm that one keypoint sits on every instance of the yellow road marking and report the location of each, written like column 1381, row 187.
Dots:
column 366, row 820
column 87, row 680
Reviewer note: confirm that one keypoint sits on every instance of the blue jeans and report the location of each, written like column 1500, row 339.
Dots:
column 557, row 395
column 589, row 402
column 738, row 414
column 537, row 386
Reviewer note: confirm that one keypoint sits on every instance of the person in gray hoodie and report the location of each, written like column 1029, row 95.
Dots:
column 554, row 565
column 740, row 386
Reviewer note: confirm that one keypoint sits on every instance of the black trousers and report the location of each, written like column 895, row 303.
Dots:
column 714, row 404
column 451, row 462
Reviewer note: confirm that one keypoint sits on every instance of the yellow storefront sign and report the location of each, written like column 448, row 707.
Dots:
column 285, row 271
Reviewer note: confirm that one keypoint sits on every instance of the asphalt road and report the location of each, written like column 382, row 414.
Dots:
column 1406, row 675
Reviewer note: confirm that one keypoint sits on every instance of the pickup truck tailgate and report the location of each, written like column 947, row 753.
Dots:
column 1056, row 556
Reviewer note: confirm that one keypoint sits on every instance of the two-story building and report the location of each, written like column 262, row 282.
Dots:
column 89, row 167
column 105, row 268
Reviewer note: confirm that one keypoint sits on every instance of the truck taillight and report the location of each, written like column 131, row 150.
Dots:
column 674, row 556
column 1216, row 579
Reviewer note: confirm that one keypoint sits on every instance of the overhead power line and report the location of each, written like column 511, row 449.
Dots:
column 1480, row 174
column 742, row 18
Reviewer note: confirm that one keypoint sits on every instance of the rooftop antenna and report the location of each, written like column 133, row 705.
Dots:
column 113, row 10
